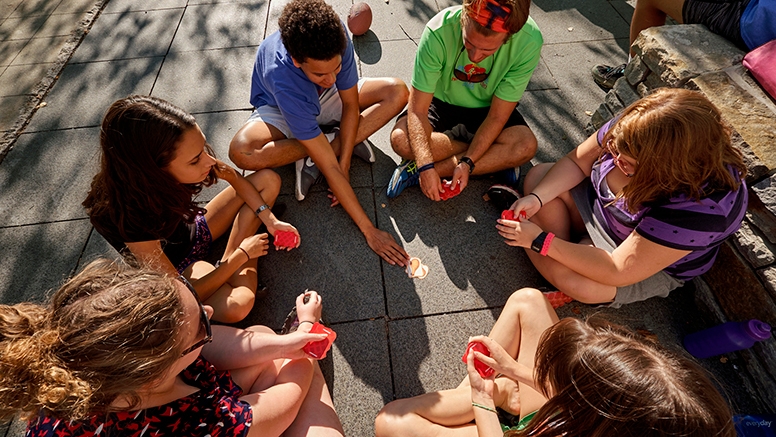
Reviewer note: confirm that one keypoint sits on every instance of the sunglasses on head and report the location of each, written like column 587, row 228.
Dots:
column 466, row 77
column 203, row 320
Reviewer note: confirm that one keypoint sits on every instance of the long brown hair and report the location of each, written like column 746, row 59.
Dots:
column 604, row 380
column 681, row 145
column 106, row 333
column 139, row 138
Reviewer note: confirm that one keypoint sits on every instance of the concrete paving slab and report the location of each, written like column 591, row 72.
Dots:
column 10, row 49
column 70, row 6
column 555, row 121
column 32, row 8
column 387, row 59
column 85, row 91
column 209, row 80
column 40, row 50
column 96, row 247
column 361, row 376
column 589, row 21
column 129, row 35
column 336, row 262
column 214, row 26
column 624, row 9
column 399, row 20
column 47, row 175
column 34, row 266
column 9, row 110
column 22, row 79
column 542, row 78
column 17, row 428
column 21, row 27
column 426, row 352
column 444, row 235
column 142, row 5
column 579, row 90
column 59, row 24
column 7, row 7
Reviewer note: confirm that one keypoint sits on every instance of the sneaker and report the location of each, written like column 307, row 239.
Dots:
column 405, row 175
column 307, row 175
column 557, row 298
column 364, row 151
column 605, row 76
column 501, row 196
column 509, row 176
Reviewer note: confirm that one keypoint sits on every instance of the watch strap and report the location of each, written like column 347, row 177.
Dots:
column 538, row 242
column 468, row 161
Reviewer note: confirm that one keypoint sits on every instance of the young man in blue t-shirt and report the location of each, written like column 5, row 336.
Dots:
column 305, row 77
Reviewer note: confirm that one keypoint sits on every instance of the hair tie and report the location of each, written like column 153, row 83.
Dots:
column 490, row 15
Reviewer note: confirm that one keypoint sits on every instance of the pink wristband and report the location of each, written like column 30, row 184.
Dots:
column 546, row 245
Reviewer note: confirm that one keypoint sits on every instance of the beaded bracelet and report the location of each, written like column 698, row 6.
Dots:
column 484, row 407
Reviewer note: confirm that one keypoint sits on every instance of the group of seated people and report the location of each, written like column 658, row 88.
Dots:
column 633, row 212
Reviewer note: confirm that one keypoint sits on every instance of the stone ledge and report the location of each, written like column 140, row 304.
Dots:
column 754, row 122
column 680, row 53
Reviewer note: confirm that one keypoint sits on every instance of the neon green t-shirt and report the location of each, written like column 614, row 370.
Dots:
column 510, row 67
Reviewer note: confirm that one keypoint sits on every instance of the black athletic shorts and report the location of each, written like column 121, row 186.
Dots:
column 444, row 116
column 722, row 17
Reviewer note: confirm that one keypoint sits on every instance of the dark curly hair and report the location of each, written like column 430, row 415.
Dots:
column 133, row 191
column 310, row 29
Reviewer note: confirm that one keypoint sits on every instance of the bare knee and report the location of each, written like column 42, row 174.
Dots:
column 400, row 142
column 393, row 419
column 267, row 180
column 239, row 305
column 241, row 150
column 399, row 94
column 525, row 149
column 522, row 301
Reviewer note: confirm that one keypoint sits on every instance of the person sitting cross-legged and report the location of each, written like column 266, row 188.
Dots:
column 472, row 67
column 305, row 76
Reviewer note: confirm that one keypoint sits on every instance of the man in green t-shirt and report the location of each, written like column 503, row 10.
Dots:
column 473, row 65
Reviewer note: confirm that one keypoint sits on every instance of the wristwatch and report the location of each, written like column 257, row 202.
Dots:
column 468, row 161
column 538, row 242
column 261, row 209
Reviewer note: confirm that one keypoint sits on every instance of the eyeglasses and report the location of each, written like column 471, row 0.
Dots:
column 624, row 165
column 467, row 77
column 203, row 320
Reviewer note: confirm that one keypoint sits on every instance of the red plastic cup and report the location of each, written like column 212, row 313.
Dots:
column 448, row 191
column 484, row 370
column 509, row 214
column 286, row 239
column 318, row 349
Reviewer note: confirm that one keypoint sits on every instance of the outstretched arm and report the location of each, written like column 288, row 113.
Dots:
column 348, row 126
column 419, row 133
column 379, row 241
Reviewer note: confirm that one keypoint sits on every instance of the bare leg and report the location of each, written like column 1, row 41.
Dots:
column 316, row 417
column 234, row 300
column 561, row 217
column 259, row 145
column 512, row 148
column 650, row 13
column 449, row 412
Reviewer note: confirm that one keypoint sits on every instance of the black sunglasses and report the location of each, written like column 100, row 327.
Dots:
column 464, row 76
column 203, row 320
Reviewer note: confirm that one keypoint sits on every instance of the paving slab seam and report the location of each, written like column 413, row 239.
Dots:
column 44, row 86
column 167, row 53
column 44, row 223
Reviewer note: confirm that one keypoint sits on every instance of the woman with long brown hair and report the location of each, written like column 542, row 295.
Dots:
column 120, row 351
column 155, row 159
column 574, row 378
column 638, row 208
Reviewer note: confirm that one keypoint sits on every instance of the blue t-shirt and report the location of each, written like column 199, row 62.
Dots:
column 758, row 23
column 277, row 82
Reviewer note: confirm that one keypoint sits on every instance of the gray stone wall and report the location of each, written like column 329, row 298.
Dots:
column 742, row 283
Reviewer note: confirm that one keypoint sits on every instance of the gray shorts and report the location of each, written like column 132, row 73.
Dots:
column 331, row 111
column 659, row 284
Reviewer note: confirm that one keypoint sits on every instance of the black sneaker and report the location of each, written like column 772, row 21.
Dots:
column 501, row 196
column 605, row 76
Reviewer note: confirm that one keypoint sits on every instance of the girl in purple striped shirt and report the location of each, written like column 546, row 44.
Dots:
column 639, row 207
